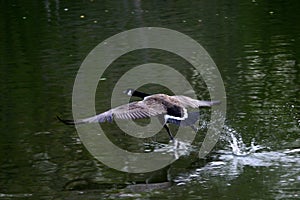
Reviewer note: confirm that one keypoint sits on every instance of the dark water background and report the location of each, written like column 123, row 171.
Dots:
column 255, row 44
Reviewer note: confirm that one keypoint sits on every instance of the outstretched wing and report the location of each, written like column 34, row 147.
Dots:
column 194, row 103
column 106, row 116
column 138, row 110
column 134, row 110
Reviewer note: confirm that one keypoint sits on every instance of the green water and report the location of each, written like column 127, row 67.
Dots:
column 255, row 45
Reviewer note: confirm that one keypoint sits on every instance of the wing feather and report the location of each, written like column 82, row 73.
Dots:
column 194, row 103
column 137, row 110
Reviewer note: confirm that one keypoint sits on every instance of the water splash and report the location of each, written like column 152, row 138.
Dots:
column 229, row 135
column 237, row 145
column 176, row 148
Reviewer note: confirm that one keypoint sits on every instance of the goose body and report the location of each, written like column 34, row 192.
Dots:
column 173, row 109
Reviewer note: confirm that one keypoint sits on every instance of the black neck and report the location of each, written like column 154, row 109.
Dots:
column 140, row 94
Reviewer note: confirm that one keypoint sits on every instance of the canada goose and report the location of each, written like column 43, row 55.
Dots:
column 192, row 118
column 169, row 108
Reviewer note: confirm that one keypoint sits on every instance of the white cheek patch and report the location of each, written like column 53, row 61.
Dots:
column 129, row 93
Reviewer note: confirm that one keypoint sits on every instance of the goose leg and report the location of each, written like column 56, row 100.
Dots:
column 169, row 132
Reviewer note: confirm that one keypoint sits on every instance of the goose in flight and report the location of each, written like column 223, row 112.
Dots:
column 192, row 118
column 169, row 109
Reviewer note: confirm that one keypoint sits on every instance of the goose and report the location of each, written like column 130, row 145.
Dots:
column 192, row 118
column 169, row 109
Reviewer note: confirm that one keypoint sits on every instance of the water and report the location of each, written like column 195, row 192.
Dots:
column 233, row 162
column 237, row 145
column 255, row 45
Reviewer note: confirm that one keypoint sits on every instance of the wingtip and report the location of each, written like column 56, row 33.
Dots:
column 66, row 121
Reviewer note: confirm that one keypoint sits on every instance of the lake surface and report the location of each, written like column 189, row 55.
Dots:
column 255, row 45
